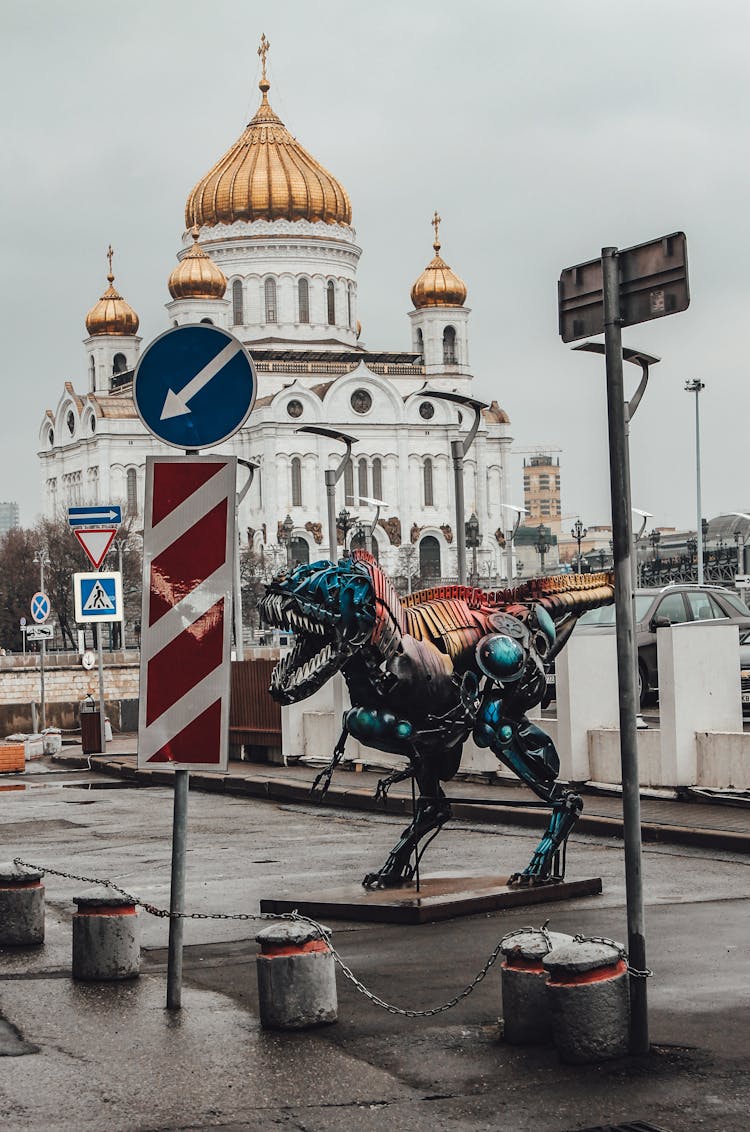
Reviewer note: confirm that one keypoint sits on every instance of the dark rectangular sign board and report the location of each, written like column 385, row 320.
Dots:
column 653, row 284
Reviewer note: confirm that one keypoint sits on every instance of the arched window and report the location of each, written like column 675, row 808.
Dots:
column 331, row 303
column 427, row 478
column 296, row 482
column 349, row 482
column 270, row 291
column 208, row 321
column 92, row 375
column 303, row 294
column 420, row 342
column 377, row 478
column 359, row 541
column 429, row 558
column 237, row 312
column 362, row 479
column 349, row 307
column 299, row 552
column 449, row 346
column 132, row 491
column 119, row 364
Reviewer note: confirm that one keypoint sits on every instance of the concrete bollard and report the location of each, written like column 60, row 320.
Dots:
column 21, row 906
column 589, row 1001
column 526, row 1008
column 106, row 936
column 296, row 978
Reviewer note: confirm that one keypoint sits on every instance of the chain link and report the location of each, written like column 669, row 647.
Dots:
column 646, row 973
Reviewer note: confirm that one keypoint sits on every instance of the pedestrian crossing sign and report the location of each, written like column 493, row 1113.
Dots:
column 98, row 597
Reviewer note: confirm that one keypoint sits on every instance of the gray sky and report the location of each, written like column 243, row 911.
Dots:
column 540, row 131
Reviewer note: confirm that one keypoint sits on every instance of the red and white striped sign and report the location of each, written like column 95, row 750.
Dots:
column 188, row 544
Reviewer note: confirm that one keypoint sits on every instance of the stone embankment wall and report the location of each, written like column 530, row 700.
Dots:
column 66, row 683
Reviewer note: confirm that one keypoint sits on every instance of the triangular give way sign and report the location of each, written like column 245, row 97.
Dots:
column 96, row 541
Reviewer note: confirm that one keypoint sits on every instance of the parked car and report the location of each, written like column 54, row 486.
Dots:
column 675, row 604
column 745, row 670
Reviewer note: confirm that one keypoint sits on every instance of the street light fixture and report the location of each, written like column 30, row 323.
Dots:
column 541, row 545
column 511, row 536
column 696, row 387
column 578, row 533
column 287, row 527
column 331, row 477
column 459, row 448
column 473, row 539
column 344, row 523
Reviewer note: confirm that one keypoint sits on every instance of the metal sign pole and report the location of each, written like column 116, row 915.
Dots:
column 619, row 473
column 42, row 648
column 102, row 713
column 177, row 893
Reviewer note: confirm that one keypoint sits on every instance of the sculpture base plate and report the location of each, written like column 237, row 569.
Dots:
column 440, row 897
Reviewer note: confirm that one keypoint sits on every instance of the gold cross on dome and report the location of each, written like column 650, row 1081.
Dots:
column 110, row 253
column 263, row 51
column 436, row 225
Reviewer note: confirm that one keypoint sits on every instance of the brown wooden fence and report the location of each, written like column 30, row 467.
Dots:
column 254, row 718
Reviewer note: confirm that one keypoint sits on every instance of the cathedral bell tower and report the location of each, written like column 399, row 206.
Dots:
column 440, row 319
column 113, row 343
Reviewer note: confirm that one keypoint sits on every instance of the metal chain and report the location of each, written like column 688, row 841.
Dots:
column 647, row 973
column 325, row 935
column 152, row 909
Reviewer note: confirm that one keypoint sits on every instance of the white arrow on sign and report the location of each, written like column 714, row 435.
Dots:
column 176, row 404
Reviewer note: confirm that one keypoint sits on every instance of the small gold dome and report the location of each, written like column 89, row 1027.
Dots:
column 196, row 275
column 267, row 175
column 438, row 286
column 112, row 314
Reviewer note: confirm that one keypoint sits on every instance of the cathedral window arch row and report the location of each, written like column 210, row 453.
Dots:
column 238, row 302
column 450, row 346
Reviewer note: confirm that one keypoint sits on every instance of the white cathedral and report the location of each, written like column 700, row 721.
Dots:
column 271, row 255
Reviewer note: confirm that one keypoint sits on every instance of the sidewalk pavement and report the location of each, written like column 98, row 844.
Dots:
column 694, row 821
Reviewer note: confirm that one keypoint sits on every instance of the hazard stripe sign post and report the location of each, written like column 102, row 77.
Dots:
column 188, row 544
column 188, row 559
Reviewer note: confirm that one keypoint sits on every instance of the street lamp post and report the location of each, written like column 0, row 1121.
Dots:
column 541, row 545
column 287, row 528
column 696, row 387
column 511, row 536
column 473, row 539
column 345, row 521
column 578, row 533
column 331, row 478
column 459, row 448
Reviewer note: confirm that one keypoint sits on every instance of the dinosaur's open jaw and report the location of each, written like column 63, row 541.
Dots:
column 303, row 670
column 315, row 655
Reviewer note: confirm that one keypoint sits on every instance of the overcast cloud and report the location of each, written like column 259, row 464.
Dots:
column 540, row 131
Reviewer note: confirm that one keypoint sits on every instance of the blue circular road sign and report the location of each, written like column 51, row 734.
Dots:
column 40, row 607
column 194, row 386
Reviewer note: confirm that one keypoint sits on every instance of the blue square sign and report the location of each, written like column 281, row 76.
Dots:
column 98, row 597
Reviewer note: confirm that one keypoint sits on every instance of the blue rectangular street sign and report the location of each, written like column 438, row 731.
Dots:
column 98, row 597
column 100, row 515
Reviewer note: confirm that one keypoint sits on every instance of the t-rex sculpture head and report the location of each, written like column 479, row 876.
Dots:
column 331, row 610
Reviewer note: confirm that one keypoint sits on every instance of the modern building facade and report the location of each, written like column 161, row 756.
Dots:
column 269, row 252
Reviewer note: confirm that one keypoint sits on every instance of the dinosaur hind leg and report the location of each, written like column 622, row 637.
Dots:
column 430, row 815
column 545, row 865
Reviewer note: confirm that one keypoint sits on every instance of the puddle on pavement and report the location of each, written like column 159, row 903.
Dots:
column 116, row 785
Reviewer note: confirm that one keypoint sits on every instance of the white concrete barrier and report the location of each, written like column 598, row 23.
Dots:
column 586, row 672
column 699, row 690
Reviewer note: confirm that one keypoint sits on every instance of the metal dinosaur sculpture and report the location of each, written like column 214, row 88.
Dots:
column 426, row 672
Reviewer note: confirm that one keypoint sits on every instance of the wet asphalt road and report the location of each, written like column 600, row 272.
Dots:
column 111, row 1057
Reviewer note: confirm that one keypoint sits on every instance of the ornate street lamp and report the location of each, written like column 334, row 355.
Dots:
column 473, row 539
column 287, row 527
column 344, row 523
column 655, row 538
column 578, row 533
column 541, row 545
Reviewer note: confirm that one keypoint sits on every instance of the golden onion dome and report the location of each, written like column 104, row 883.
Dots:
column 112, row 314
column 267, row 175
column 196, row 275
column 438, row 286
